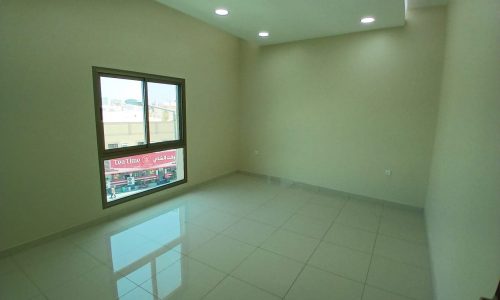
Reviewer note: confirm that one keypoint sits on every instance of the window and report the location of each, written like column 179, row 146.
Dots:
column 141, row 133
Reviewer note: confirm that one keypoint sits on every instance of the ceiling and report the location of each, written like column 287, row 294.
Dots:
column 292, row 20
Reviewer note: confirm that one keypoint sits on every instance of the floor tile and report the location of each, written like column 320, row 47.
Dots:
column 268, row 216
column 194, row 236
column 403, row 214
column 271, row 272
column 144, row 269
column 314, row 284
column 7, row 265
column 403, row 223
column 359, row 218
column 14, row 285
column 215, row 220
column 50, row 250
column 250, row 232
column 372, row 293
column 99, row 249
column 410, row 230
column 222, row 253
column 140, row 217
column 127, row 240
column 100, row 283
column 161, row 228
column 283, row 205
column 138, row 294
column 238, row 209
column 351, row 237
column 260, row 189
column 294, row 195
column 55, row 271
column 95, row 232
column 195, row 197
column 120, row 249
column 308, row 226
column 38, row 297
column 404, row 251
column 124, row 260
column 343, row 261
column 327, row 200
column 193, row 210
column 291, row 245
column 185, row 279
column 288, row 200
column 232, row 288
column 206, row 243
column 319, row 211
column 355, row 204
column 208, row 197
column 400, row 278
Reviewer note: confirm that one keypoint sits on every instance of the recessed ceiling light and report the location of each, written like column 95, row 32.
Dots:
column 367, row 20
column 263, row 34
column 222, row 12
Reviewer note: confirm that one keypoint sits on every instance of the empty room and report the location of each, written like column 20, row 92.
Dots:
column 250, row 150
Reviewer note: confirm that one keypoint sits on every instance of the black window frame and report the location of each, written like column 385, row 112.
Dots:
column 106, row 154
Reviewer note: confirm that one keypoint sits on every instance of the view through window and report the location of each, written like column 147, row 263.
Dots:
column 141, row 133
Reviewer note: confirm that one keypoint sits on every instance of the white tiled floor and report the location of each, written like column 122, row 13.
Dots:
column 240, row 237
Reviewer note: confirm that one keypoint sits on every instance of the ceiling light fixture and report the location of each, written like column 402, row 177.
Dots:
column 263, row 34
column 222, row 12
column 367, row 20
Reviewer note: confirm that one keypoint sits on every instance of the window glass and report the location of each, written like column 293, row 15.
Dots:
column 163, row 112
column 130, row 175
column 122, row 112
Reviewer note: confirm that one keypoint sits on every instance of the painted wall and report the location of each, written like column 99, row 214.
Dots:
column 336, row 112
column 49, row 170
column 463, row 204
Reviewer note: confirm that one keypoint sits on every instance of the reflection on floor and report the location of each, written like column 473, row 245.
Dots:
column 239, row 237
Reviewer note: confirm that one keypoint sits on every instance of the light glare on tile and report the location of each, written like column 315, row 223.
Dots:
column 221, row 12
column 263, row 34
column 367, row 20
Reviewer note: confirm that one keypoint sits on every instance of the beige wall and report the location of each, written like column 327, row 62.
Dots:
column 336, row 112
column 49, row 171
column 463, row 204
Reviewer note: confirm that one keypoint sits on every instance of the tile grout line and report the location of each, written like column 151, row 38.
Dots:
column 316, row 248
column 373, row 251
column 391, row 292
column 217, row 234
column 133, row 282
column 246, row 257
column 300, row 261
column 100, row 264
column 103, row 264
column 277, row 229
column 243, row 217
column 140, row 288
column 405, row 240
column 239, row 217
column 259, row 247
column 16, row 263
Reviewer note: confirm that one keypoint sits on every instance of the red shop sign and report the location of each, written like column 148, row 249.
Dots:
column 145, row 161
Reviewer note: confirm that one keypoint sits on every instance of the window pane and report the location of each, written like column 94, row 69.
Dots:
column 130, row 175
column 163, row 112
column 122, row 112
